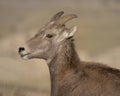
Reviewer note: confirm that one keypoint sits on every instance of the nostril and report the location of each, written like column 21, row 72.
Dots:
column 21, row 49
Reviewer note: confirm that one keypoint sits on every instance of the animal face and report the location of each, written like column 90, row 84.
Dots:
column 45, row 44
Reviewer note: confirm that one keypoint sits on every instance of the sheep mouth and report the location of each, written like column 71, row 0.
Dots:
column 24, row 55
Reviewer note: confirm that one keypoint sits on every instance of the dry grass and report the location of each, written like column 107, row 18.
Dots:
column 28, row 78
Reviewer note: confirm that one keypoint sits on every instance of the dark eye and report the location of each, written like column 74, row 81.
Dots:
column 49, row 35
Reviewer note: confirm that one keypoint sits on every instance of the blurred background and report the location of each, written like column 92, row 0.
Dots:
column 97, row 39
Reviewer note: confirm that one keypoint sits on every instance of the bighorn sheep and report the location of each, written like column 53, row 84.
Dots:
column 69, row 75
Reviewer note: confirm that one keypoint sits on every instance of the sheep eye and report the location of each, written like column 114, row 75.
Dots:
column 49, row 35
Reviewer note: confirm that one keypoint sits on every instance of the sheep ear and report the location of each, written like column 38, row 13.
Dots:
column 72, row 31
column 67, row 34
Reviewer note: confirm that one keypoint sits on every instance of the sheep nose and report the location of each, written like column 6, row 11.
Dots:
column 21, row 49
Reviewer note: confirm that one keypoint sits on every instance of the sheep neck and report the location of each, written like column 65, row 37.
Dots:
column 66, row 60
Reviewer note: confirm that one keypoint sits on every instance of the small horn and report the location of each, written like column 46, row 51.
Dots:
column 65, row 18
column 57, row 16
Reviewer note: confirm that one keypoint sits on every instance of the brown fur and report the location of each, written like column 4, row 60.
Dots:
column 72, row 77
column 69, row 75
